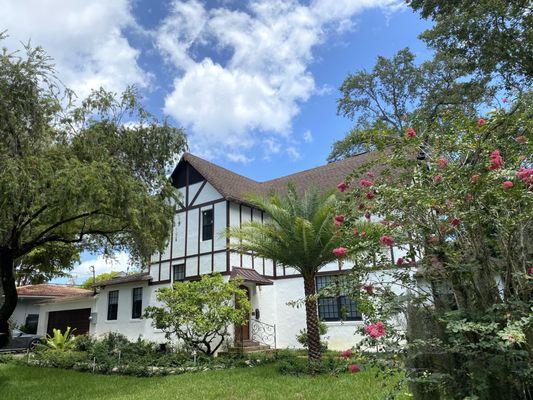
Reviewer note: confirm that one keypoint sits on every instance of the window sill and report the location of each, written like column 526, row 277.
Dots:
column 343, row 323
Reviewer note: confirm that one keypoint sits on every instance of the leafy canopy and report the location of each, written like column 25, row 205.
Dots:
column 299, row 231
column 90, row 176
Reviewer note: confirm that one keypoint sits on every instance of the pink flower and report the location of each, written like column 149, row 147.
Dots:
column 346, row 353
column 370, row 174
column 521, row 139
column 443, row 162
column 411, row 132
column 481, row 122
column 368, row 288
column 474, row 178
column 496, row 160
column 507, row 185
column 354, row 368
column 386, row 240
column 525, row 175
column 437, row 179
column 365, row 183
column 504, row 100
column 399, row 262
column 361, row 206
column 531, row 271
column 339, row 218
column 363, row 234
column 455, row 222
column 375, row 330
column 342, row 187
column 370, row 195
column 355, row 231
column 340, row 252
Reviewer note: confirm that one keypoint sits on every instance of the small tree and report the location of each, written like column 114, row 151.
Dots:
column 200, row 312
column 89, row 282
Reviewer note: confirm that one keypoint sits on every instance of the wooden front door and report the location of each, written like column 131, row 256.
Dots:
column 243, row 332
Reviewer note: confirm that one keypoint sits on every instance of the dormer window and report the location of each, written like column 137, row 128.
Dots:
column 207, row 224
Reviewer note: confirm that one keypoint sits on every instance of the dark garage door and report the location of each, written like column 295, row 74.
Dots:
column 76, row 319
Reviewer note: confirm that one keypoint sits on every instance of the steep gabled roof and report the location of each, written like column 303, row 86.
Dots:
column 235, row 187
column 229, row 184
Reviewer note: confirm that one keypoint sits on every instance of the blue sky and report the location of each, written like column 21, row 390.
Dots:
column 253, row 83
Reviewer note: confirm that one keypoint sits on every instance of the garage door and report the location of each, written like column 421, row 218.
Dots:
column 76, row 319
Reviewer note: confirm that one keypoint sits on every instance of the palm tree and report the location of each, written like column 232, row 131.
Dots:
column 299, row 233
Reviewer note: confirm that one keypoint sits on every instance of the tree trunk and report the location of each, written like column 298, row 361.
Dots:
column 311, row 315
column 9, row 291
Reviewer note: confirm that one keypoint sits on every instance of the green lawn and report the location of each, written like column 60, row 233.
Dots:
column 21, row 382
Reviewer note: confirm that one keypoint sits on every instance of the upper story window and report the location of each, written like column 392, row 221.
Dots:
column 207, row 224
column 137, row 302
column 112, row 305
column 339, row 308
column 179, row 272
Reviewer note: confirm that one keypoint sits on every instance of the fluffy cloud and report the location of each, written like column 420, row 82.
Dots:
column 119, row 262
column 85, row 38
column 266, row 51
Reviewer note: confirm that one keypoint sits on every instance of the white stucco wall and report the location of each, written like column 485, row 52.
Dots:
column 24, row 307
column 64, row 304
column 125, row 324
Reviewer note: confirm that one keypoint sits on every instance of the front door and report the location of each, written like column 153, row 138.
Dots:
column 243, row 332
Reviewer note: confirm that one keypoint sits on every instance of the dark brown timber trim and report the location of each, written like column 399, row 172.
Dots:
column 197, row 193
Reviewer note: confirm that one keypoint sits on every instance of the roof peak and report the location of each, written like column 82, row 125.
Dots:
column 236, row 187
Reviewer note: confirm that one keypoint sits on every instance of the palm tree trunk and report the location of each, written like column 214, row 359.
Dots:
column 311, row 315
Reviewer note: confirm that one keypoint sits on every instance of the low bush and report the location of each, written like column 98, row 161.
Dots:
column 6, row 358
column 301, row 366
column 67, row 359
column 115, row 354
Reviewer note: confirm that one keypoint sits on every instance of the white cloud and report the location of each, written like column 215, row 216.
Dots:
column 119, row 262
column 308, row 136
column 85, row 38
column 259, row 87
column 293, row 152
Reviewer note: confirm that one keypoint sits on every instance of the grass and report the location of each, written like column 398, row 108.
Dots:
column 18, row 382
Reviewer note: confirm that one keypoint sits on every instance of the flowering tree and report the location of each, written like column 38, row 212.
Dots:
column 458, row 195
column 200, row 313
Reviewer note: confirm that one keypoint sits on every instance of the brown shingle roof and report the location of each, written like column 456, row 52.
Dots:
column 142, row 276
column 235, row 187
column 50, row 290
column 249, row 275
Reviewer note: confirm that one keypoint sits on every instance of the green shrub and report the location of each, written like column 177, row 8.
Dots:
column 6, row 358
column 60, row 341
column 301, row 366
column 322, row 330
column 84, row 342
column 60, row 358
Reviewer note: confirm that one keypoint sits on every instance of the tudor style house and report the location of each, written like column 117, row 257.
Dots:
column 212, row 199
